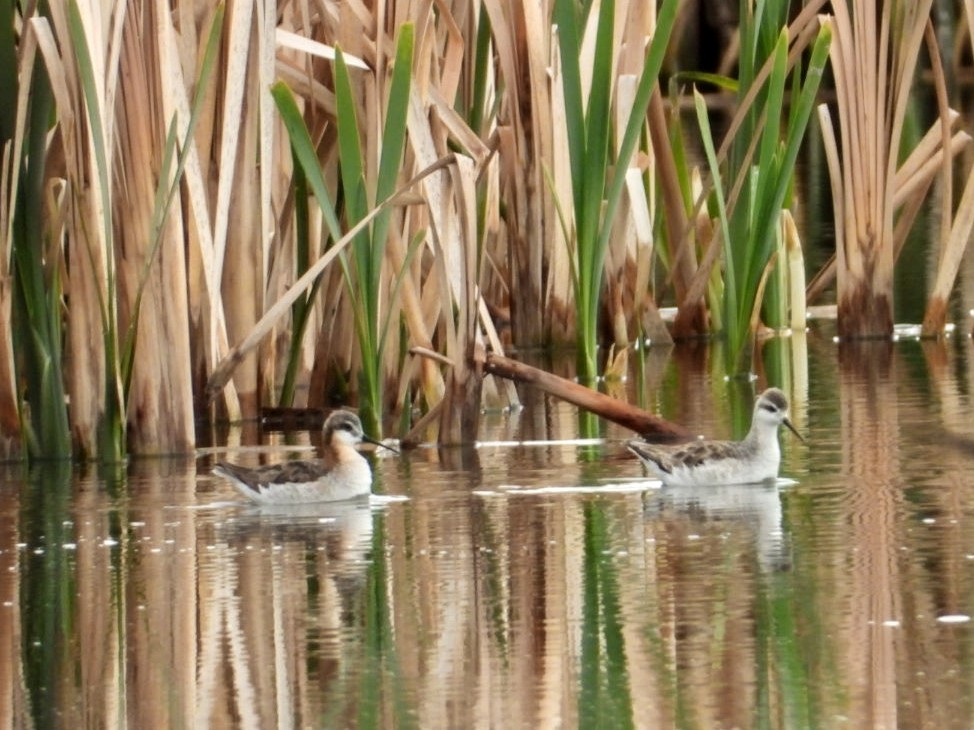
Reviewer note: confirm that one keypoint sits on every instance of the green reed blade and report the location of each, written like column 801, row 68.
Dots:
column 111, row 438
column 351, row 166
column 774, row 137
column 595, row 191
column 303, row 305
column 754, row 238
column 477, row 112
column 175, row 151
column 644, row 90
column 393, row 142
column 598, row 134
column 568, row 43
column 724, row 83
column 679, row 152
column 304, row 152
column 774, row 101
column 415, row 245
column 37, row 305
column 587, row 183
column 368, row 248
column 359, row 279
column 89, row 88
column 786, row 154
column 397, row 106
column 803, row 108
column 730, row 274
column 565, row 229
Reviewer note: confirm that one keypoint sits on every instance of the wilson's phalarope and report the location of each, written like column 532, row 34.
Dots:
column 754, row 459
column 342, row 473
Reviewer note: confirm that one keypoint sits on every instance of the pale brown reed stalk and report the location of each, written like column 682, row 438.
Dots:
column 874, row 52
column 207, row 319
column 533, row 246
column 237, row 133
column 911, row 184
column 160, row 402
column 955, row 231
column 145, row 67
column 629, row 257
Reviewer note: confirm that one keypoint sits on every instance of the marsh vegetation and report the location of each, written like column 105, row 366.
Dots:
column 211, row 209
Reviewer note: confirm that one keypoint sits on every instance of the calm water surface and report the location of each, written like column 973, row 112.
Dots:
column 533, row 585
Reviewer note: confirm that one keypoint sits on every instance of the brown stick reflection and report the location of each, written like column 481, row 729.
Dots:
column 870, row 435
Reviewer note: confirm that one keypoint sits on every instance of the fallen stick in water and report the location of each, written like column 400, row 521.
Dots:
column 636, row 419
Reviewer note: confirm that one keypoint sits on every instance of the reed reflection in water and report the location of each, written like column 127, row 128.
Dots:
column 523, row 586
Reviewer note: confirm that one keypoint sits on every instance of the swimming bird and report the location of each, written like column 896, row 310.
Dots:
column 755, row 459
column 342, row 473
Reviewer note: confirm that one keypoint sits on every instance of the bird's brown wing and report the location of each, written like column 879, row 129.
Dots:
column 287, row 472
column 697, row 453
column 290, row 472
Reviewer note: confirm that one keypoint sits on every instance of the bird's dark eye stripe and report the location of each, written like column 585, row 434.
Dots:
column 769, row 407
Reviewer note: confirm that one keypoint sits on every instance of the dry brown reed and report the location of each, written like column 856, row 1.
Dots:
column 875, row 52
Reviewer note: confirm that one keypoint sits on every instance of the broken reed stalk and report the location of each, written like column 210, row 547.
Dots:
column 649, row 426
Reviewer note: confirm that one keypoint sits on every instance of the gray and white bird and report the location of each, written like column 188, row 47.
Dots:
column 755, row 459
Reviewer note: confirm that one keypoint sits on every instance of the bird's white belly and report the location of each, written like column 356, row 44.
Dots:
column 723, row 471
column 347, row 481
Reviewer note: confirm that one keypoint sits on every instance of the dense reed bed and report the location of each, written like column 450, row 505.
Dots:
column 208, row 210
